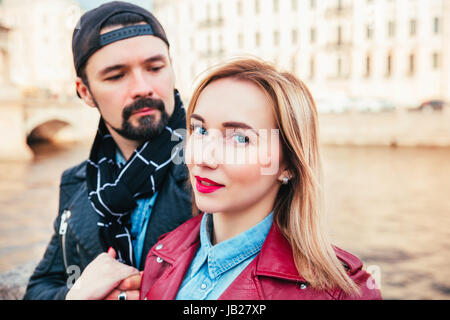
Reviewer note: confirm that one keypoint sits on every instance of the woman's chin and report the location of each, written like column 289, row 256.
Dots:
column 208, row 206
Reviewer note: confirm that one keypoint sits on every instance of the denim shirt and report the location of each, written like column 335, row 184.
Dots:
column 139, row 218
column 214, row 268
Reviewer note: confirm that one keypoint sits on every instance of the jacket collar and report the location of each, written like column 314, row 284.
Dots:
column 172, row 245
column 83, row 220
column 276, row 259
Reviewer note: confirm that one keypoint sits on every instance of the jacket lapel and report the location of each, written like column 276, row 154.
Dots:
column 83, row 219
column 246, row 285
column 168, row 212
column 166, row 288
column 276, row 259
column 177, row 249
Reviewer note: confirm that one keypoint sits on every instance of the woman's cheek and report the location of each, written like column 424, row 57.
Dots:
column 244, row 176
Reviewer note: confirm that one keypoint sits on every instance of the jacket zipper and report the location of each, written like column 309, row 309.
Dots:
column 62, row 231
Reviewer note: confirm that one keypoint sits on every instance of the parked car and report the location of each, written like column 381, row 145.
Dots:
column 432, row 105
column 371, row 104
column 334, row 105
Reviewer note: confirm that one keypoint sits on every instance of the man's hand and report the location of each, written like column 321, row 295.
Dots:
column 101, row 277
column 131, row 286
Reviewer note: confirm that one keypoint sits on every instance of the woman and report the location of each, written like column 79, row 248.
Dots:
column 254, row 164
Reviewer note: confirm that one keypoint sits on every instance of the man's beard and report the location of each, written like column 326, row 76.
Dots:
column 148, row 127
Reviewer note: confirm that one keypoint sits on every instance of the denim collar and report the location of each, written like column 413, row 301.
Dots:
column 120, row 160
column 227, row 254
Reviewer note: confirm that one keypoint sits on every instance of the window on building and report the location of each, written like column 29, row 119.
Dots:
column 412, row 27
column 436, row 60
column 239, row 8
column 391, row 29
column 368, row 68
column 294, row 5
column 294, row 64
column 436, row 25
column 312, row 4
column 339, row 67
column 193, row 71
column 240, row 40
column 208, row 44
column 312, row 35
column 219, row 11
column 276, row 6
column 294, row 36
column 389, row 65
column 339, row 35
column 312, row 67
column 220, row 41
column 369, row 31
column 412, row 64
column 257, row 8
column 257, row 39
column 191, row 12
column 276, row 38
column 208, row 12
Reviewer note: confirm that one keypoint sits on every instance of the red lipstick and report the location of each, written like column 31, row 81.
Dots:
column 205, row 185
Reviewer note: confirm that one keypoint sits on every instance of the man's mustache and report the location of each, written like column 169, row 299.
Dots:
column 140, row 104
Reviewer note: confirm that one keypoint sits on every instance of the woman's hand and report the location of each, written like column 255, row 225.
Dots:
column 101, row 277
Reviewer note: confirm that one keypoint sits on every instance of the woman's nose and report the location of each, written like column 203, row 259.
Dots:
column 211, row 150
column 207, row 151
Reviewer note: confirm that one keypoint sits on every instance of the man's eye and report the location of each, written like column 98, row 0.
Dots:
column 116, row 77
column 155, row 69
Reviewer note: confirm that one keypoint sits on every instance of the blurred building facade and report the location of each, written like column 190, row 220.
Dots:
column 39, row 45
column 393, row 49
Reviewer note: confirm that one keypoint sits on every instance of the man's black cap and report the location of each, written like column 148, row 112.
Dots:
column 87, row 40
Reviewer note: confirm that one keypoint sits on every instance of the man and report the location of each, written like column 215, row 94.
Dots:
column 129, row 191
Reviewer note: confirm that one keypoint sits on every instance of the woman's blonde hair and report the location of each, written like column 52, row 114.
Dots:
column 298, row 205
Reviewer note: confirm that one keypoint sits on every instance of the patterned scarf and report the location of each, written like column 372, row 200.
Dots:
column 113, row 190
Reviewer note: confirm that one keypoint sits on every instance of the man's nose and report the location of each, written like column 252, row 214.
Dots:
column 140, row 86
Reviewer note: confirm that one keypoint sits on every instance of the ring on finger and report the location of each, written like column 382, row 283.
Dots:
column 122, row 295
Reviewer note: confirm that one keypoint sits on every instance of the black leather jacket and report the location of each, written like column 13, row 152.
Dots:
column 75, row 242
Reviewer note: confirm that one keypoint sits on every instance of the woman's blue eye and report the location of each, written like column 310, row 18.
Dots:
column 196, row 129
column 240, row 138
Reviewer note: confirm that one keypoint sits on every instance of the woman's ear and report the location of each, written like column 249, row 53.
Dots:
column 285, row 176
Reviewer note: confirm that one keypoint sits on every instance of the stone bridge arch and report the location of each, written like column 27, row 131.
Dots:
column 68, row 121
column 47, row 131
column 61, row 123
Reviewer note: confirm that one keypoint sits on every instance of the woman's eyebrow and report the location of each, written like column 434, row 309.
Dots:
column 240, row 125
column 228, row 124
column 197, row 117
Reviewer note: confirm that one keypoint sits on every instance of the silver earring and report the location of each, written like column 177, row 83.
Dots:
column 285, row 180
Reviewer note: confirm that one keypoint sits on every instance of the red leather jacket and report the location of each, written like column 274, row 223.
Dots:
column 271, row 275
